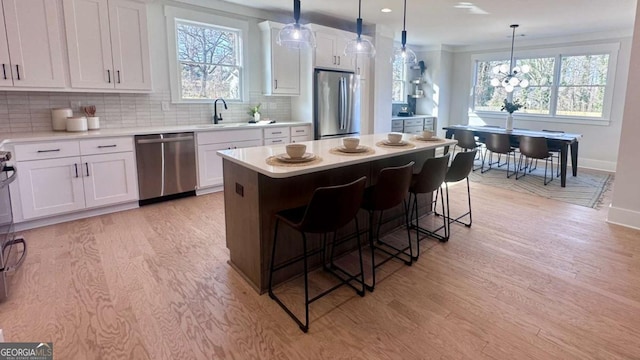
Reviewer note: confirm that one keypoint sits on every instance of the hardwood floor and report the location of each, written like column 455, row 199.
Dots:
column 532, row 279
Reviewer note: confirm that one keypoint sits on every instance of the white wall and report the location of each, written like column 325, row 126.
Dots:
column 625, row 206
column 381, row 81
column 598, row 147
column 438, row 90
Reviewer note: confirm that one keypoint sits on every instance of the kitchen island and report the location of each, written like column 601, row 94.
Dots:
column 254, row 191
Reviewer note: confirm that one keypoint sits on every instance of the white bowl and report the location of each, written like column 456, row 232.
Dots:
column 394, row 137
column 296, row 151
column 351, row 143
column 427, row 134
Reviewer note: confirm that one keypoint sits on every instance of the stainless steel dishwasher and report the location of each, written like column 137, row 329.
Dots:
column 166, row 166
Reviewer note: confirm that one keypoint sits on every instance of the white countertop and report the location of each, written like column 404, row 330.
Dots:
column 254, row 158
column 64, row 135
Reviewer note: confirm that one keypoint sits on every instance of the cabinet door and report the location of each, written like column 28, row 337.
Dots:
column 285, row 67
column 130, row 45
column 343, row 62
column 210, row 164
column 5, row 62
column 33, row 34
column 362, row 66
column 50, row 187
column 109, row 179
column 89, row 43
column 325, row 50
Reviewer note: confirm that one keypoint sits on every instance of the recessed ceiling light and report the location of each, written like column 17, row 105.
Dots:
column 385, row 10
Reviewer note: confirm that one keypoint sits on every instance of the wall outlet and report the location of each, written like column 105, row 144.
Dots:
column 165, row 106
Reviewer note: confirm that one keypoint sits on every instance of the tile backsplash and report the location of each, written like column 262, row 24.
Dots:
column 31, row 111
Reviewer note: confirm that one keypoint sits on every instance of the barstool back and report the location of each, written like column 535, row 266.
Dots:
column 460, row 166
column 431, row 176
column 391, row 188
column 332, row 207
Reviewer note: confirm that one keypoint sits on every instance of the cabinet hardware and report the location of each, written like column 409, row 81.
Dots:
column 276, row 132
column 106, row 146
column 334, row 59
column 18, row 71
column 118, row 76
column 276, row 84
column 76, row 166
column 338, row 60
column 46, row 151
column 109, row 76
column 276, row 141
column 4, row 71
column 87, row 165
column 299, row 131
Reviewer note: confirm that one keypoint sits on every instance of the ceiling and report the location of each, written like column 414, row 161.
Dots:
column 439, row 22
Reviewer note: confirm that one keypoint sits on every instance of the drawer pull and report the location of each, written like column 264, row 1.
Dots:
column 299, row 131
column 46, row 151
column 106, row 146
column 276, row 141
column 276, row 133
column 76, row 166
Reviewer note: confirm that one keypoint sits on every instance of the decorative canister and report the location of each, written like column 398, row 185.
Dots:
column 77, row 123
column 93, row 122
column 59, row 118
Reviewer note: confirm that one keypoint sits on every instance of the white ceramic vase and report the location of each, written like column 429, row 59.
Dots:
column 509, row 124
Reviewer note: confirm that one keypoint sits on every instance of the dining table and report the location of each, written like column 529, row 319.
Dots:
column 261, row 181
column 555, row 140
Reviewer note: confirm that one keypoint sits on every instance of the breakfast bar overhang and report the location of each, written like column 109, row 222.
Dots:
column 255, row 190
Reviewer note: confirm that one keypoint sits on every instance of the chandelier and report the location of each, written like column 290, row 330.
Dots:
column 509, row 76
column 296, row 35
column 406, row 55
column 360, row 46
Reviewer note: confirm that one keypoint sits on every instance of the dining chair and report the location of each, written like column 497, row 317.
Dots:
column 390, row 190
column 501, row 145
column 466, row 141
column 428, row 181
column 329, row 209
column 534, row 148
column 556, row 150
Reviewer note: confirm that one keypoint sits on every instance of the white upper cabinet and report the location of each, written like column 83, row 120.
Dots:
column 329, row 52
column 30, row 50
column 108, row 44
column 281, row 65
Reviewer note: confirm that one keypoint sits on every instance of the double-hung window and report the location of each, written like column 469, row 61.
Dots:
column 399, row 81
column 573, row 84
column 206, row 56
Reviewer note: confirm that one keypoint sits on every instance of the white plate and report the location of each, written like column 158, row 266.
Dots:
column 389, row 143
column 359, row 149
column 288, row 159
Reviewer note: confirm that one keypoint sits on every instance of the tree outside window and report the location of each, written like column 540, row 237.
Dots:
column 399, row 81
column 208, row 61
column 582, row 85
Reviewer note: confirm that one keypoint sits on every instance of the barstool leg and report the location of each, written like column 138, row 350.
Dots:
column 305, row 328
column 373, row 256
column 446, row 218
column 415, row 209
column 406, row 221
column 469, row 199
column 361, row 293
column 273, row 255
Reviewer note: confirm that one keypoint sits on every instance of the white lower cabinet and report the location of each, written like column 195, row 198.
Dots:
column 209, row 163
column 52, row 186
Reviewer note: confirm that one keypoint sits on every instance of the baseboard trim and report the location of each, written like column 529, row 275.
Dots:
column 593, row 164
column 32, row 224
column 624, row 217
column 209, row 190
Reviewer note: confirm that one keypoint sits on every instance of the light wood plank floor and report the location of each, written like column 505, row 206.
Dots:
column 532, row 279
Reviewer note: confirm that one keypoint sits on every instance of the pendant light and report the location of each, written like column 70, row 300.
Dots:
column 360, row 46
column 508, row 76
column 296, row 35
column 407, row 55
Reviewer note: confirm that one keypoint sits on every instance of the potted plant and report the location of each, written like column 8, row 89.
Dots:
column 510, row 107
column 255, row 112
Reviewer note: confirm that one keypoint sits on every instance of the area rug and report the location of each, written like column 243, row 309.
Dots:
column 586, row 189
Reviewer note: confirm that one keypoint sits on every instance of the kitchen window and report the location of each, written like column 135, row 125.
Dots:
column 206, row 56
column 399, row 81
column 569, row 84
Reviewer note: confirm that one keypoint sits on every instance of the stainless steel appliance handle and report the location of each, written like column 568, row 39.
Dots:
column 343, row 91
column 156, row 141
column 9, row 245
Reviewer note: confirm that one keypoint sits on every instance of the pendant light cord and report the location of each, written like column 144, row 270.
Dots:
column 513, row 39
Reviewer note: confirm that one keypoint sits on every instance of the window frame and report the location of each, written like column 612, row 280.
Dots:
column 172, row 16
column 558, row 53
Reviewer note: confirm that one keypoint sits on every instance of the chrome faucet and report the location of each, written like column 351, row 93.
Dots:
column 218, row 117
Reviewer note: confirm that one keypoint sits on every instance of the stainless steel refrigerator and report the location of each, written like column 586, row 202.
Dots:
column 336, row 104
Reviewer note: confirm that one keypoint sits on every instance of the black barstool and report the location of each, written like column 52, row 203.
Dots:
column 389, row 191
column 330, row 209
column 459, row 170
column 428, row 180
column 501, row 145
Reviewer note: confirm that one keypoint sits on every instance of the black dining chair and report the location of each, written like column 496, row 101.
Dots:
column 534, row 148
column 499, row 144
column 390, row 190
column 555, row 150
column 466, row 141
column 330, row 209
